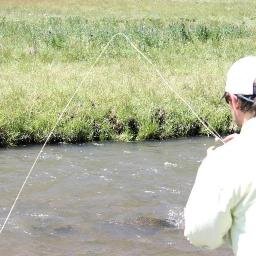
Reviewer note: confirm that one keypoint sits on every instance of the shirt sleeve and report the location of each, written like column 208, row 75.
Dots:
column 207, row 213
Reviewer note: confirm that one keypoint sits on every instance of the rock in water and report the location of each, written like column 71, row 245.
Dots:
column 154, row 222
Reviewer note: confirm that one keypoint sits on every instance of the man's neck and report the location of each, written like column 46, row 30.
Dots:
column 247, row 116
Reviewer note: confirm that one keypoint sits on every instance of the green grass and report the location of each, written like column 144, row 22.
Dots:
column 47, row 50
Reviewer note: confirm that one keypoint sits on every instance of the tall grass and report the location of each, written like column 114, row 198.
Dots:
column 43, row 61
column 77, row 39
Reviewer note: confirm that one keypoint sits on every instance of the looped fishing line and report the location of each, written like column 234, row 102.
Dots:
column 207, row 126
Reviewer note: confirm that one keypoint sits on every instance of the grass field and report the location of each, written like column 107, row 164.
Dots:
column 47, row 48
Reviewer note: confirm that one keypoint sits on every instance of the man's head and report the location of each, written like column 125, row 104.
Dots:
column 240, row 90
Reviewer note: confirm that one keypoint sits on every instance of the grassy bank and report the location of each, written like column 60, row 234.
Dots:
column 46, row 51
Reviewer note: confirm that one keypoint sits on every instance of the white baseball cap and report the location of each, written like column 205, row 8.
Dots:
column 241, row 77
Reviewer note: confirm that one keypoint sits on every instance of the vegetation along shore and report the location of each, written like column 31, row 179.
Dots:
column 47, row 49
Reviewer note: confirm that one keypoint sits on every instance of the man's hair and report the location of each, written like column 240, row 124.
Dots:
column 247, row 103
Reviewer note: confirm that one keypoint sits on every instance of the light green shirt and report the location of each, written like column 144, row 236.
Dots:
column 222, row 203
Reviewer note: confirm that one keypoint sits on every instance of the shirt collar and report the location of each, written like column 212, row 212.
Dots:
column 249, row 126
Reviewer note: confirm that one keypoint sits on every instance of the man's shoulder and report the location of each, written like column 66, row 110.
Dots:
column 222, row 159
column 227, row 150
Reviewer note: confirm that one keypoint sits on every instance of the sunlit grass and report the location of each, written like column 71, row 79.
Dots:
column 44, row 57
column 226, row 10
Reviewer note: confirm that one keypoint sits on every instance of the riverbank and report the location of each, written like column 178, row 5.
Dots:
column 46, row 51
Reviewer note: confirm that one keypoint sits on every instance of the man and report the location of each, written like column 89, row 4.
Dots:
column 222, row 203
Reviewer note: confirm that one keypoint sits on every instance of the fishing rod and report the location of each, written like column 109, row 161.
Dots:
column 165, row 81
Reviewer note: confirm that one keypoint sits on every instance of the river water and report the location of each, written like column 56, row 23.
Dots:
column 89, row 199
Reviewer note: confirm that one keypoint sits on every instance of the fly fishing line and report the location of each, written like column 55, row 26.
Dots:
column 165, row 81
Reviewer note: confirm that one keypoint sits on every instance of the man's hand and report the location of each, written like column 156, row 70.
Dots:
column 225, row 140
column 228, row 138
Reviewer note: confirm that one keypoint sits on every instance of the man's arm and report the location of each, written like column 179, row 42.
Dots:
column 207, row 213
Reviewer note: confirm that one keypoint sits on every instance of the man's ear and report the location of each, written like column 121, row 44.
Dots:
column 235, row 103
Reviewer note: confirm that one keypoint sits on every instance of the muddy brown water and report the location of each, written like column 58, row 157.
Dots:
column 100, row 199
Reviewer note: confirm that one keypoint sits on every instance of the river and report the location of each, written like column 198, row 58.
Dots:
column 89, row 199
